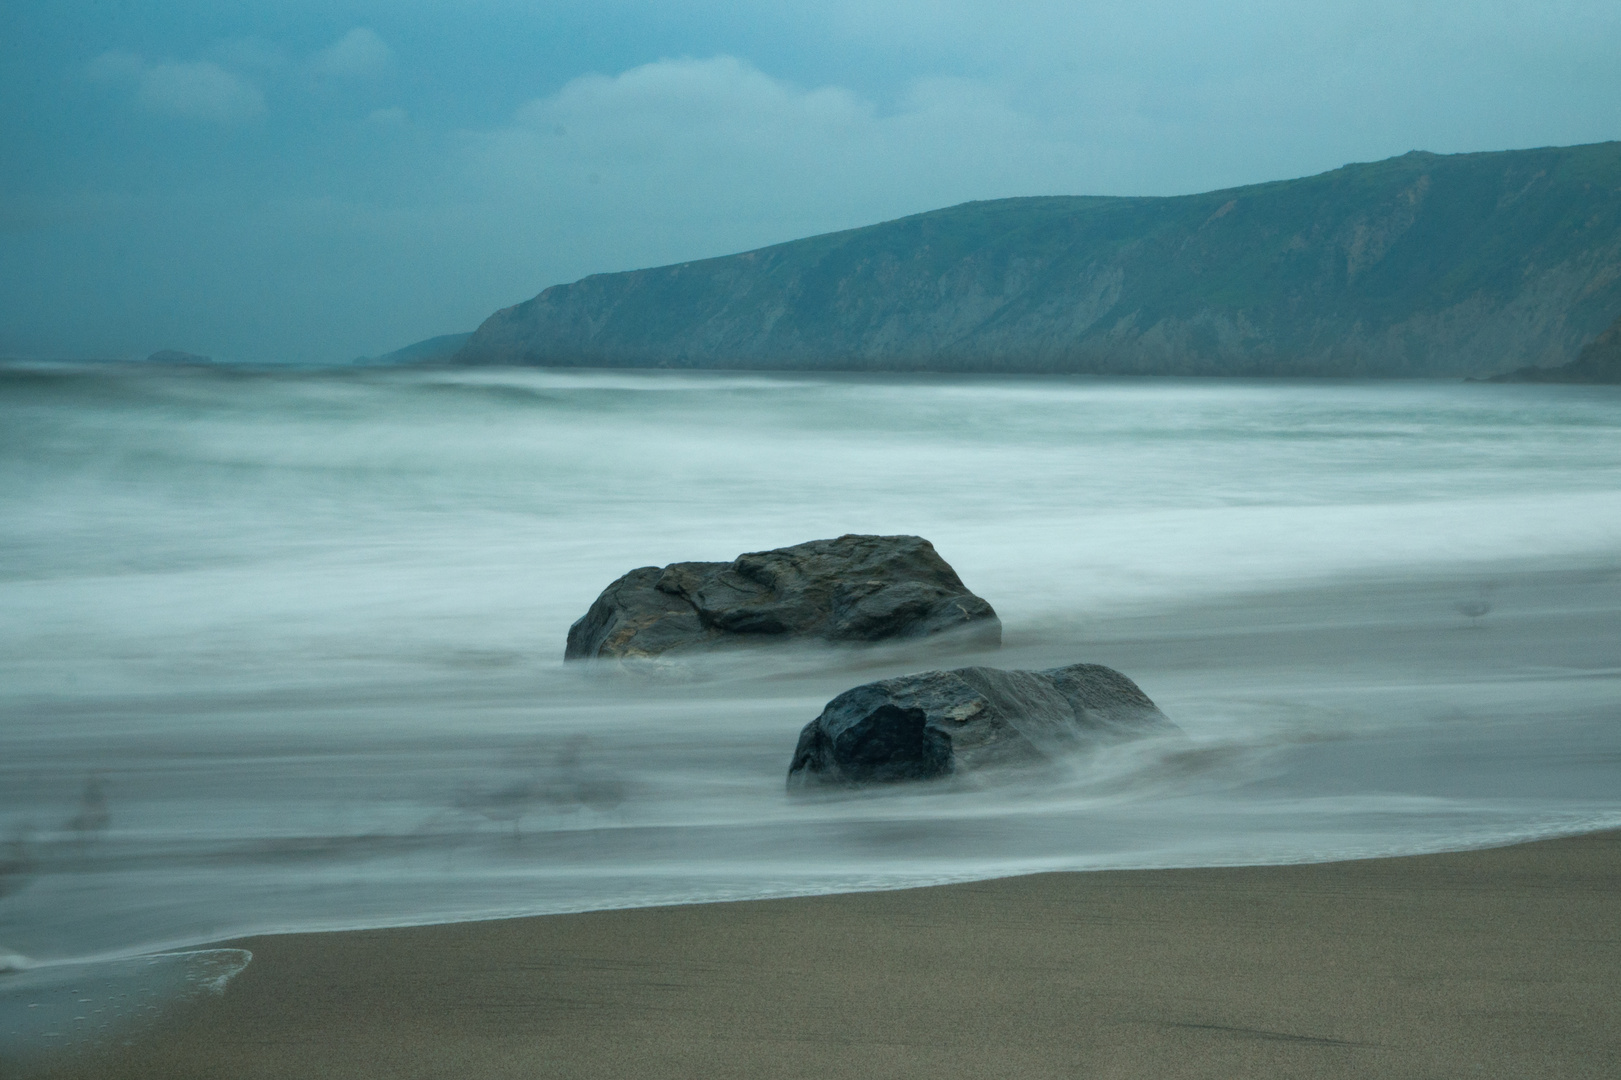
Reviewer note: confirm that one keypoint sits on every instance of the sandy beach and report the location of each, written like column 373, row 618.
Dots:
column 1497, row 963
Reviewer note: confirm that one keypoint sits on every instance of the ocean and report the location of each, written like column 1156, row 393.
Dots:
column 282, row 650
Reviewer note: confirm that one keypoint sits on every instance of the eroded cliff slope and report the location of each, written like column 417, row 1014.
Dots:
column 1468, row 264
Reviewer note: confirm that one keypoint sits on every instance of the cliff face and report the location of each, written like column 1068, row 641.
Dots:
column 1419, row 265
column 1598, row 362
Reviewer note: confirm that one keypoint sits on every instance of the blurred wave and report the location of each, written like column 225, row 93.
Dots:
column 282, row 650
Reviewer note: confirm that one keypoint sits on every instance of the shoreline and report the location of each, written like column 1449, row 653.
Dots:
column 1497, row 961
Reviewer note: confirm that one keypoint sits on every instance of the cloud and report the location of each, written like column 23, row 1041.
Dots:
column 198, row 90
column 358, row 54
column 249, row 54
column 689, row 158
column 699, row 139
column 201, row 90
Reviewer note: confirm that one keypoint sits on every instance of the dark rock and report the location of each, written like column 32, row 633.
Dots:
column 853, row 589
column 929, row 725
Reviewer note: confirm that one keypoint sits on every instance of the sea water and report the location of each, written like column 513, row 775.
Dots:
column 283, row 650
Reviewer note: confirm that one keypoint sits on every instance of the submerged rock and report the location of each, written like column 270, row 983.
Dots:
column 852, row 589
column 929, row 725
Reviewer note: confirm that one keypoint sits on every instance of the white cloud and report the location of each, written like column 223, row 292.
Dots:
column 201, row 90
column 684, row 159
column 249, row 54
column 198, row 90
column 358, row 54
column 700, row 140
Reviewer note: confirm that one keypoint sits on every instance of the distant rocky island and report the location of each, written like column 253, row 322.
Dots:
column 1421, row 265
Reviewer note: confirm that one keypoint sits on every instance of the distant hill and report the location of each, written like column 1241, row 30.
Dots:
column 432, row 350
column 1467, row 264
column 1598, row 362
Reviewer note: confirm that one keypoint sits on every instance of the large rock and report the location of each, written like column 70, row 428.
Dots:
column 853, row 589
column 929, row 725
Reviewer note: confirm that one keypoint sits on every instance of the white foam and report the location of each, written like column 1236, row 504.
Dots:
column 306, row 632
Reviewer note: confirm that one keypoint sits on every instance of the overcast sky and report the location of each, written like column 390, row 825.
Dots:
column 294, row 181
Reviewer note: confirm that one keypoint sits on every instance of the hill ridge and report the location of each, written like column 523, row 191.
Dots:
column 1422, row 264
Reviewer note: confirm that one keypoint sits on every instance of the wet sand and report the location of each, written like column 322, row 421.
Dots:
column 1500, row 963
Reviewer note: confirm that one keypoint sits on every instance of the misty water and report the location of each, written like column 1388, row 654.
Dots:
column 283, row 651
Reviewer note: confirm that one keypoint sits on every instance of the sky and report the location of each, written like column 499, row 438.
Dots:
column 297, row 182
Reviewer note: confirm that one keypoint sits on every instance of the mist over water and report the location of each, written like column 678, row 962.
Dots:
column 283, row 650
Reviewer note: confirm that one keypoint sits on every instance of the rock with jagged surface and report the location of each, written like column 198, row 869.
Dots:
column 854, row 589
column 936, row 723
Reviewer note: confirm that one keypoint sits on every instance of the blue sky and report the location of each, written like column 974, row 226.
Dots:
column 298, row 182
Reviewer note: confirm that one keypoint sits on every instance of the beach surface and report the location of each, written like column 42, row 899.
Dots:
column 1494, row 963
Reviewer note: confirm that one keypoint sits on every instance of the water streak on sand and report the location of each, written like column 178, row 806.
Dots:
column 68, row 1005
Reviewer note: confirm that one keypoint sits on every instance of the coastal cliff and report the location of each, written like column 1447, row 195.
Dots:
column 1421, row 265
column 1598, row 362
